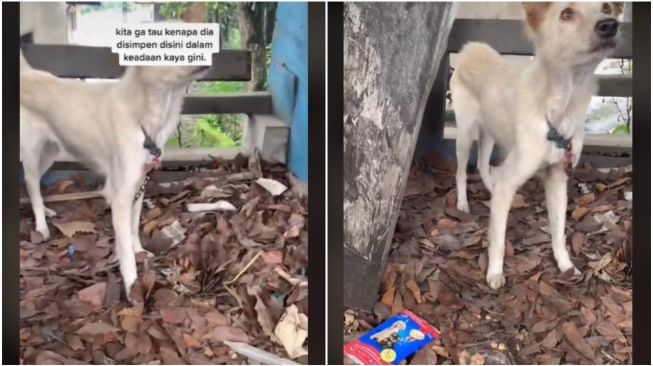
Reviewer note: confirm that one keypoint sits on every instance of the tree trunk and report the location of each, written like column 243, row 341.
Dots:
column 252, row 38
column 392, row 52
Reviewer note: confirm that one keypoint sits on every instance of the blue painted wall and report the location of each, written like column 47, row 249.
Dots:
column 288, row 80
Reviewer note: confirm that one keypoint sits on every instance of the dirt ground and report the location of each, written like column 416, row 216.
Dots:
column 238, row 274
column 438, row 261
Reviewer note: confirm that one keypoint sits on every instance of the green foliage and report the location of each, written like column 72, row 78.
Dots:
column 173, row 10
column 220, row 87
column 108, row 5
column 209, row 133
column 622, row 129
column 218, row 12
column 224, row 130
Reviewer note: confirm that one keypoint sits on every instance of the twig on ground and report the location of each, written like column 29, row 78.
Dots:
column 242, row 271
column 66, row 197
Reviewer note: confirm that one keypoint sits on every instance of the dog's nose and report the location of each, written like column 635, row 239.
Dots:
column 606, row 28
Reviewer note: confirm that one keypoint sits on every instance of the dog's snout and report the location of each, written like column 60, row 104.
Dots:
column 606, row 28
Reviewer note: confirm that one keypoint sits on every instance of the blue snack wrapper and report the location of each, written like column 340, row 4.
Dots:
column 392, row 341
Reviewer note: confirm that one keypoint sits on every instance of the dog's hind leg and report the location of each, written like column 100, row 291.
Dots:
column 136, row 220
column 463, row 145
column 47, row 158
column 33, row 185
column 485, row 145
column 467, row 111
column 555, row 186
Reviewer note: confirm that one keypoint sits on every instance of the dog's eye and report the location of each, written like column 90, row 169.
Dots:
column 567, row 14
column 606, row 9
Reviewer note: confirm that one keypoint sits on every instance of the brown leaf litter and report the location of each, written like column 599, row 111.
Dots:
column 437, row 270
column 219, row 275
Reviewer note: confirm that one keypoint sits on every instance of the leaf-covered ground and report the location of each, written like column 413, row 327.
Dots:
column 217, row 276
column 438, row 261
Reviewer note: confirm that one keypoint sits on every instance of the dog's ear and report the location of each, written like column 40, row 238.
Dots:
column 618, row 7
column 196, row 14
column 535, row 12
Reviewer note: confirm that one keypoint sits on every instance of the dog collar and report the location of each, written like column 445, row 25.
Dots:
column 556, row 137
column 150, row 145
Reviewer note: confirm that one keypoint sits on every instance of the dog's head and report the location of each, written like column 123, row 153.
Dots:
column 573, row 33
column 178, row 75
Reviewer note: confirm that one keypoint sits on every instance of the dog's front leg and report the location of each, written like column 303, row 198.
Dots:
column 121, row 210
column 518, row 167
column 555, row 185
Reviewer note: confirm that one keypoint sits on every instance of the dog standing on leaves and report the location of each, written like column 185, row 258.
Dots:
column 115, row 129
column 533, row 113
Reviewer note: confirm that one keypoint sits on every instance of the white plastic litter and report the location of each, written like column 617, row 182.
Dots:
column 174, row 232
column 628, row 195
column 216, row 206
column 275, row 188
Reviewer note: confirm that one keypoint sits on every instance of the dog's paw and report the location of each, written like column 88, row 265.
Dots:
column 571, row 271
column 463, row 206
column 135, row 294
column 50, row 212
column 495, row 280
column 567, row 268
column 44, row 231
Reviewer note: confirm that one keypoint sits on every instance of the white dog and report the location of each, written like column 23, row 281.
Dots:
column 115, row 129
column 534, row 114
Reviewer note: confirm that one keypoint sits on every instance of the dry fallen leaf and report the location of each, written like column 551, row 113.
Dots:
column 149, row 227
column 577, row 240
column 93, row 329
column 130, row 318
column 414, row 289
column 579, row 213
column 388, row 297
column 191, row 341
column 586, row 199
column 263, row 314
column 95, row 294
column 292, row 331
column 425, row 356
column 173, row 315
column 69, row 229
column 138, row 343
column 224, row 333
column 576, row 340
column 63, row 185
column 518, row 201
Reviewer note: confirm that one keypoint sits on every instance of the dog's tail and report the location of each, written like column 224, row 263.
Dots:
column 36, row 86
column 477, row 64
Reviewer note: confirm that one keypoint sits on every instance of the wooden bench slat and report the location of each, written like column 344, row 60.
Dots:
column 615, row 86
column 509, row 37
column 72, row 61
column 622, row 142
column 249, row 103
